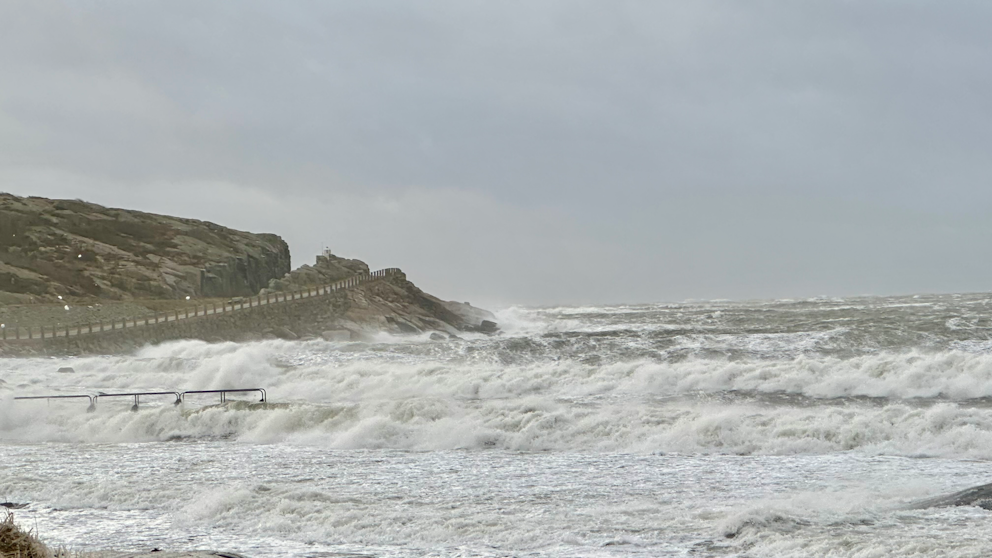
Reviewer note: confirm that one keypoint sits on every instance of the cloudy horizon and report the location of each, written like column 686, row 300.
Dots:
column 531, row 153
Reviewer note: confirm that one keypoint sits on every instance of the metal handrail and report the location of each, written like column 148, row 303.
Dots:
column 89, row 409
column 180, row 396
column 136, row 395
column 223, row 393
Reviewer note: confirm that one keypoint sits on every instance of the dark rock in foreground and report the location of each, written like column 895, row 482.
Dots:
column 980, row 496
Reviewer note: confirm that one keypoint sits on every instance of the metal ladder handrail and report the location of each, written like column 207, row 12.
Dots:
column 180, row 396
column 136, row 395
column 223, row 393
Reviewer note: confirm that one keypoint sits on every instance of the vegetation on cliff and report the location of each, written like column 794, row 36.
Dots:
column 70, row 248
column 18, row 543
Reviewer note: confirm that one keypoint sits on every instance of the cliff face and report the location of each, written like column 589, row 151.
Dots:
column 78, row 249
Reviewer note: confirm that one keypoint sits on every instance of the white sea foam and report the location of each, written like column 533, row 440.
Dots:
column 642, row 406
column 298, row 501
column 324, row 372
column 796, row 428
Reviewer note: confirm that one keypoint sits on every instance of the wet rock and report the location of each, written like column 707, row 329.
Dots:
column 402, row 325
column 336, row 335
column 284, row 333
column 980, row 496
column 470, row 315
column 66, row 370
column 435, row 336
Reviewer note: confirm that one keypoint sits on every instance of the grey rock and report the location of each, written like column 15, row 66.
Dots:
column 469, row 314
column 336, row 335
column 402, row 325
column 435, row 336
column 327, row 269
column 980, row 496
column 285, row 333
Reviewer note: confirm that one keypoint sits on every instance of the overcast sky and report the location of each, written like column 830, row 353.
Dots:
column 532, row 152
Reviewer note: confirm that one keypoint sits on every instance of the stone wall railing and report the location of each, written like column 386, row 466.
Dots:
column 11, row 333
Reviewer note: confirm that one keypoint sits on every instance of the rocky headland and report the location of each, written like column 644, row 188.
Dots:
column 71, row 248
column 67, row 263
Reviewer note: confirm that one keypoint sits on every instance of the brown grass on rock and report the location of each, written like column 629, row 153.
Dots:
column 17, row 543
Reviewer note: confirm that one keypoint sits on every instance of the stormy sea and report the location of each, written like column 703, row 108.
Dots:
column 775, row 428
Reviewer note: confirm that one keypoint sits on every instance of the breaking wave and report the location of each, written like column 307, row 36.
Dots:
column 415, row 395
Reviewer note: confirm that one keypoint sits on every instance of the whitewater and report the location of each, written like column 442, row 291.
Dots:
column 767, row 428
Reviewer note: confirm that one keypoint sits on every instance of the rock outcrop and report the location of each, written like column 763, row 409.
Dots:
column 328, row 269
column 394, row 305
column 77, row 249
column 397, row 306
column 472, row 317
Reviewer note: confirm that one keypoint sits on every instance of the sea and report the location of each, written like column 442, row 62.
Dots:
column 708, row 428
